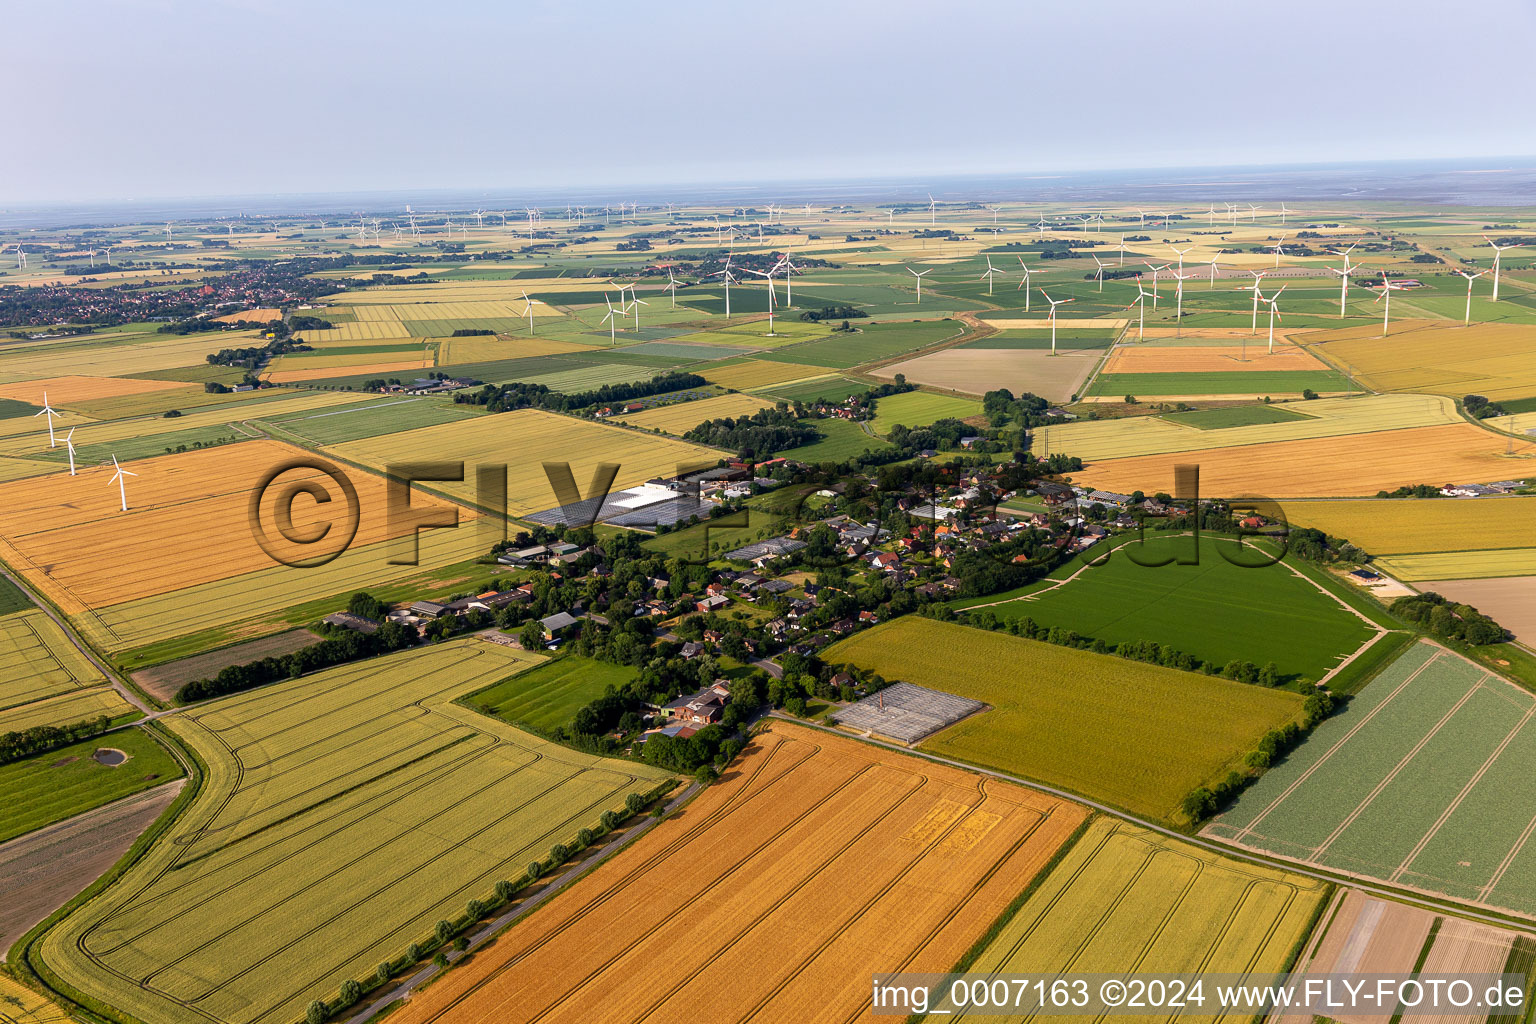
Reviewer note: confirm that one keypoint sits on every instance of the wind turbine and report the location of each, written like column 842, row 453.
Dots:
column 1279, row 248
column 1142, row 295
column 1181, row 253
column 1470, row 278
column 990, row 271
column 768, row 277
column 611, row 320
column 1086, row 218
column 1232, row 211
column 1041, row 225
column 1179, row 315
column 167, row 229
column 530, row 212
column 932, row 208
column 1122, row 250
column 1283, row 211
column 1213, row 271
column 1024, row 284
column 529, row 310
column 1274, row 314
column 48, row 411
column 1099, row 274
column 727, row 277
column 69, row 445
column 919, row 282
column 790, row 270
column 1258, row 275
column 1387, row 288
column 1212, row 213
column 1156, row 268
column 1498, row 253
column 1143, row 214
column 117, row 478
column 1054, row 303
column 672, row 287
column 1253, row 212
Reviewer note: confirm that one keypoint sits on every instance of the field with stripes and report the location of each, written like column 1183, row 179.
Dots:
column 343, row 815
column 771, row 895
column 1421, row 782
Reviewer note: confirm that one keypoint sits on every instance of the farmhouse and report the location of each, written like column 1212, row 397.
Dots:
column 557, row 623
column 703, row 708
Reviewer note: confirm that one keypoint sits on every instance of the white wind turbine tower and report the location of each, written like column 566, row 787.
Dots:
column 1387, row 288
column 69, row 445
column 117, row 478
column 995, row 211
column 1041, row 225
column 1274, row 314
column 1122, row 250
column 1467, row 320
column 530, row 212
column 108, row 252
column 167, row 229
column 672, row 287
column 1178, row 322
column 772, row 295
column 1212, row 213
column 1279, row 248
column 1232, row 210
column 529, row 303
column 1258, row 275
column 727, row 277
column 1180, row 253
column 890, row 218
column 932, row 210
column 1054, row 303
column 1024, row 284
column 50, row 412
column 790, row 270
column 991, row 271
column 1098, row 274
column 1253, row 212
column 1498, row 253
column 1284, row 210
column 1213, row 271
column 1142, row 295
column 1086, row 218
column 1156, row 268
column 1143, row 214
column 919, row 282
column 611, row 320
column 480, row 219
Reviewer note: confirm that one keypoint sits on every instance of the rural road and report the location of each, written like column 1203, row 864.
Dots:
column 1239, row 853
column 493, row 927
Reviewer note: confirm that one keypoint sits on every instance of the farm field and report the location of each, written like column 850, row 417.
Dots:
column 1174, row 432
column 820, row 389
column 548, row 695
column 1493, row 360
column 757, row 373
column 1345, row 466
column 67, row 781
column 44, row 680
column 1119, row 731
column 976, row 371
column 369, row 365
column 344, row 814
column 1123, row 895
column 1237, row 416
column 1491, row 563
column 835, row 854
column 1256, row 383
column 1419, row 782
column 1211, row 609
column 524, row 439
column 109, row 359
column 1509, row 600
column 1418, row 525
column 370, row 419
column 1203, row 359
column 841, row 439
column 681, row 417
column 162, row 681
column 451, row 351
column 920, row 408
column 59, row 530
column 872, row 342
column 71, row 390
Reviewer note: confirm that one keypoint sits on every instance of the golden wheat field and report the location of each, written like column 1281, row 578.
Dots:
column 250, row 316
column 482, row 349
column 187, row 523
column 308, row 371
column 1493, row 360
column 74, row 388
column 1324, row 417
column 683, row 416
column 107, row 359
column 1393, row 526
column 1350, row 466
column 756, row 373
column 524, row 440
column 1468, row 565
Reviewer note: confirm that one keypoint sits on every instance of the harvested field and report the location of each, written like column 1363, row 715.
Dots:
column 1373, row 936
column 1209, row 359
column 1421, row 782
column 1416, row 525
column 1349, row 466
column 525, row 439
column 163, row 681
column 684, row 416
column 1325, row 417
column 1493, row 360
column 841, row 857
column 1120, row 731
column 310, row 372
column 45, row 680
column 344, row 814
column 250, row 316
column 483, row 349
column 1124, row 895
column 1510, row 600
column 43, row 870
column 979, row 370
column 74, row 389
column 60, row 531
column 756, row 373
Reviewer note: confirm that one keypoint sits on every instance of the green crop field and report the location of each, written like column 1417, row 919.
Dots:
column 1239, row 416
column 841, row 439
column 872, row 342
column 1129, row 734
column 1422, row 781
column 1212, row 609
column 343, row 814
column 1066, row 337
column 369, row 419
column 824, row 389
column 11, row 597
column 920, row 408
column 69, row 780
column 1221, row 382
column 1124, row 895
column 550, row 694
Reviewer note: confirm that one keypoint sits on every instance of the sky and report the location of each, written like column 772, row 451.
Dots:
column 132, row 99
